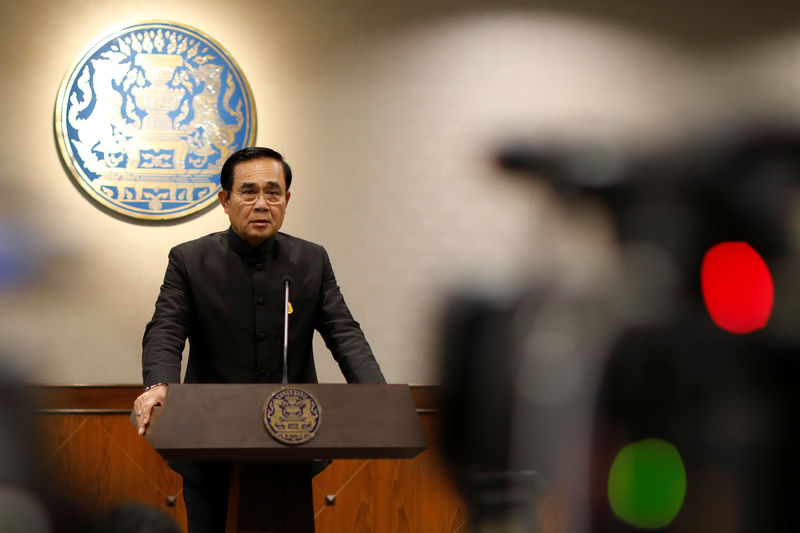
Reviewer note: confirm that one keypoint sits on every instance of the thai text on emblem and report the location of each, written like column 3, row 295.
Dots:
column 292, row 415
column 148, row 114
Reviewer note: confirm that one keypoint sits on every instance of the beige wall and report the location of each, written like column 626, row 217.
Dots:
column 388, row 113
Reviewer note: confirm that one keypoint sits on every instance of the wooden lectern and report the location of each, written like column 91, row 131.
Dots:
column 226, row 422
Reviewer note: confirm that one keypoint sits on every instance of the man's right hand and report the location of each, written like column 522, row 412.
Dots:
column 143, row 406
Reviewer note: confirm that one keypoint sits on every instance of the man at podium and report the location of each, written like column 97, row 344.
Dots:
column 226, row 292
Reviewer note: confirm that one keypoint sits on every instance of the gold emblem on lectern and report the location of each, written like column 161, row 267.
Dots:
column 292, row 415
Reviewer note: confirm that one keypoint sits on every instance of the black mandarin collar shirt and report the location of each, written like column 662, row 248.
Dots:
column 227, row 297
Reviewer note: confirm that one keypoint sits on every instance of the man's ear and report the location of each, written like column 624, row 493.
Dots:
column 223, row 199
column 288, row 195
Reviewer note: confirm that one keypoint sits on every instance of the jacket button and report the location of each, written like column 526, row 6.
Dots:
column 259, row 266
column 260, row 301
column 262, row 372
column 262, row 335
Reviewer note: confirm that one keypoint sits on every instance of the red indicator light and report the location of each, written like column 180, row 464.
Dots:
column 737, row 287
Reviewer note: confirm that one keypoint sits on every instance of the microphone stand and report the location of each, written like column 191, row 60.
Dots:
column 286, row 331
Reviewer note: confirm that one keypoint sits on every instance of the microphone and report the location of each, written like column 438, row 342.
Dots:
column 286, row 282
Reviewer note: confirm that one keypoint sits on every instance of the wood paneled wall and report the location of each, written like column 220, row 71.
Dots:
column 92, row 453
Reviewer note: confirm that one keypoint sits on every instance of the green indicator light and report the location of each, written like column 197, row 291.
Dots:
column 647, row 484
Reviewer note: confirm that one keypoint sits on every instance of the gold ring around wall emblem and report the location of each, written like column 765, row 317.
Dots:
column 292, row 415
column 147, row 115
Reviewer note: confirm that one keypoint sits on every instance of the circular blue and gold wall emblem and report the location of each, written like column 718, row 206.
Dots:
column 148, row 114
column 292, row 415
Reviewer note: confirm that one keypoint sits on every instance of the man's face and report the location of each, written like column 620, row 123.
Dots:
column 257, row 203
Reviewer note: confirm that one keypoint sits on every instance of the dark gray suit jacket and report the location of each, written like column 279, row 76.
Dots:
column 227, row 298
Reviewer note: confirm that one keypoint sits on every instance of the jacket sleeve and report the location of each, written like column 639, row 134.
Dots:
column 165, row 334
column 342, row 334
